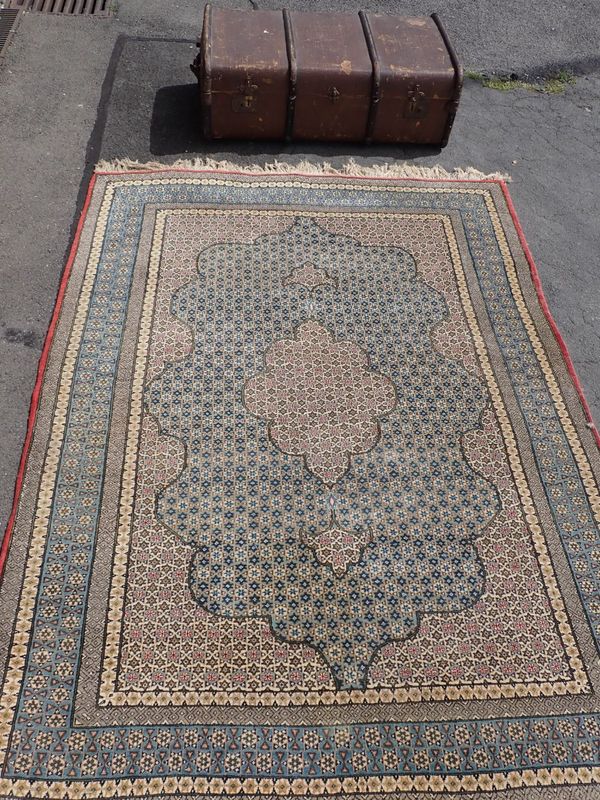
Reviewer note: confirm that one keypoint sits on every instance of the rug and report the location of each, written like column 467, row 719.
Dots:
column 307, row 506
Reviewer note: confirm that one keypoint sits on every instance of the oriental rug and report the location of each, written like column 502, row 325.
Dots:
column 308, row 505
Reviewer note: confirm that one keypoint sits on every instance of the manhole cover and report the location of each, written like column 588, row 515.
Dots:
column 71, row 7
column 8, row 23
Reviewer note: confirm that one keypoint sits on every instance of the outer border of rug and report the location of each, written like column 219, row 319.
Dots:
column 39, row 380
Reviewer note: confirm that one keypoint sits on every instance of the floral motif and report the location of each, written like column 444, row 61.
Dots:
column 338, row 546
column 321, row 400
column 310, row 276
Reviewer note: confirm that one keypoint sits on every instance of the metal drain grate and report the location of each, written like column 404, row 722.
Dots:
column 99, row 8
column 8, row 23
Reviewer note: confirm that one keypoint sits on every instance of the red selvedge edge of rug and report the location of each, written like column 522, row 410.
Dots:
column 535, row 277
column 41, row 370
column 35, row 397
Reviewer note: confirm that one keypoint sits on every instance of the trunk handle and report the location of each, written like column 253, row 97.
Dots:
column 458, row 80
column 293, row 73
column 376, row 79
column 206, row 81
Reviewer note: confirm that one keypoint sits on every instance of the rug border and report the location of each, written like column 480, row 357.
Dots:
column 537, row 282
column 39, row 379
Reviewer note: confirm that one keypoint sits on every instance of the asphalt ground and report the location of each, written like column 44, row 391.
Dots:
column 77, row 90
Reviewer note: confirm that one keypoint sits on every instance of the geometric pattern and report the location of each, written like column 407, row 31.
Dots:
column 310, row 276
column 167, row 633
column 337, row 546
column 323, row 401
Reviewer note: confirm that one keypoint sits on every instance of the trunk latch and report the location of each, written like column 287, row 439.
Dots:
column 245, row 101
column 334, row 94
column 417, row 102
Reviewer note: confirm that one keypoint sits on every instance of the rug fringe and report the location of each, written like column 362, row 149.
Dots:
column 400, row 169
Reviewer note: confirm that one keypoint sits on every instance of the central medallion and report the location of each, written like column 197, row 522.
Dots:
column 321, row 400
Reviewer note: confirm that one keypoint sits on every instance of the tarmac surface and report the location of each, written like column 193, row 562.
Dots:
column 77, row 90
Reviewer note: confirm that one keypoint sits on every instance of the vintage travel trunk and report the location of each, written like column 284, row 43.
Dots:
column 332, row 77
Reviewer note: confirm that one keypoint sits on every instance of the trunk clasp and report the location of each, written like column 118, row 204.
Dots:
column 245, row 101
column 417, row 102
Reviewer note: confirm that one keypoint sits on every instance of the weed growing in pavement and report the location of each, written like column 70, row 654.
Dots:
column 553, row 84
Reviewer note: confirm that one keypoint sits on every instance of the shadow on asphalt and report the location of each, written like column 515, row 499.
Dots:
column 176, row 121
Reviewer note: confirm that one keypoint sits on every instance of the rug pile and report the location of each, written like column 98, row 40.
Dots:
column 308, row 505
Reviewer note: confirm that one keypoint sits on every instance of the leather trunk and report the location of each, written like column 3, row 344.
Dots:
column 331, row 77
